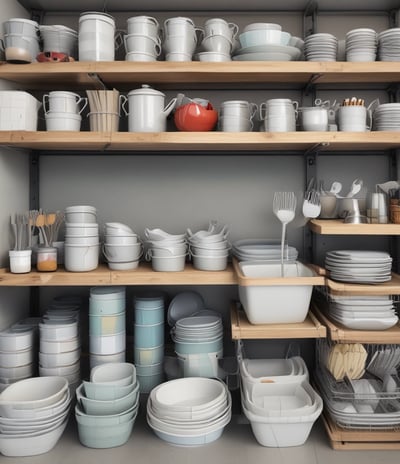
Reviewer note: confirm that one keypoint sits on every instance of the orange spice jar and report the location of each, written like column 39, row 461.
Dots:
column 46, row 260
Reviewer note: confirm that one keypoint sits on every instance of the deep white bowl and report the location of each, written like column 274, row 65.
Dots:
column 114, row 373
column 257, row 37
column 104, row 392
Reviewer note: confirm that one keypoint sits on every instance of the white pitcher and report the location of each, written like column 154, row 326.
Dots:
column 147, row 110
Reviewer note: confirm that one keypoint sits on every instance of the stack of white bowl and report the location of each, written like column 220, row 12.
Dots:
column 59, row 345
column 82, row 241
column 149, row 329
column 122, row 247
column 143, row 41
column 389, row 44
column 107, row 406
column 209, row 249
column 278, row 400
column 167, row 252
column 236, row 116
column 361, row 45
column 17, row 353
column 320, row 47
column 217, row 43
column 189, row 412
column 61, row 39
column 199, row 345
column 33, row 415
column 180, row 39
column 21, row 40
column 279, row 115
column 107, row 326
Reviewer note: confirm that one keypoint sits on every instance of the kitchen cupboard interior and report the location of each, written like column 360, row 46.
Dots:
column 178, row 180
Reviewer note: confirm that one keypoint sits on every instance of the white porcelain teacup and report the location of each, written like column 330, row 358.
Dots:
column 354, row 119
column 314, row 119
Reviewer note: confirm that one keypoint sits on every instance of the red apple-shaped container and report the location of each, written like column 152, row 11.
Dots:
column 193, row 117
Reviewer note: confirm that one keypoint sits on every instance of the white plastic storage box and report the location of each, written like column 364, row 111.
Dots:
column 18, row 110
column 268, row 298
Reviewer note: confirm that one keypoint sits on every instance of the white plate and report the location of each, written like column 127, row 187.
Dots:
column 366, row 323
column 266, row 56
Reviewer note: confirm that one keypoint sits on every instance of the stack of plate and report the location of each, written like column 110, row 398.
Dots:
column 361, row 45
column 386, row 117
column 363, row 313
column 33, row 415
column 278, row 400
column 389, row 45
column 262, row 250
column 18, row 346
column 320, row 47
column 199, row 345
column 363, row 267
column 189, row 412
column 268, row 52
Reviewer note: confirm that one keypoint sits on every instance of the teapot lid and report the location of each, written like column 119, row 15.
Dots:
column 146, row 90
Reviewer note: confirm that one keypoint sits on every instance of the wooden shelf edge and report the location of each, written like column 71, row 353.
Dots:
column 339, row 333
column 143, row 275
column 242, row 329
column 338, row 227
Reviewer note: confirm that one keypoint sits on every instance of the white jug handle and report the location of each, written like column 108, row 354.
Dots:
column 199, row 34
column 253, row 109
column 295, row 105
column 234, row 28
column 157, row 48
column 2, row 46
column 373, row 105
column 369, row 120
column 103, row 250
column 122, row 102
column 170, row 107
column 45, row 98
column 119, row 39
column 82, row 99
column 263, row 111
column 153, row 20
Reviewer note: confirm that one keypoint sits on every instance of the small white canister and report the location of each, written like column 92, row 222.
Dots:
column 96, row 37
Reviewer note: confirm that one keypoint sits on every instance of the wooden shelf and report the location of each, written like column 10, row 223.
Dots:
column 353, row 439
column 339, row 333
column 245, row 142
column 338, row 227
column 177, row 75
column 143, row 275
column 242, row 329
column 388, row 288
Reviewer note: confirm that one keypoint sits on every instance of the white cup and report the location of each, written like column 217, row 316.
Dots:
column 238, row 108
column 218, row 26
column 20, row 261
column 217, row 43
column 314, row 119
column 146, row 25
column 178, row 56
column 354, row 119
column 235, row 124
column 140, row 56
column 180, row 44
column 63, row 102
column 96, row 37
column 142, row 43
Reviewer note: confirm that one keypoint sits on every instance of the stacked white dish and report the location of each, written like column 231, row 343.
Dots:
column 189, row 412
column 389, row 45
column 363, row 313
column 279, row 115
column 236, row 116
column 107, row 406
column 18, row 346
column 61, row 39
column 218, row 40
column 21, row 40
column 386, row 117
column 167, row 252
column 320, row 47
column 361, row 45
column 33, row 415
column 149, row 328
column 82, row 241
column 355, row 266
column 199, row 345
column 263, row 250
column 107, row 326
column 122, row 247
column 278, row 400
column 60, row 348
column 143, row 41
column 209, row 249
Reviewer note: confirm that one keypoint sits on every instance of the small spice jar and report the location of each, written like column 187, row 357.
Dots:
column 46, row 259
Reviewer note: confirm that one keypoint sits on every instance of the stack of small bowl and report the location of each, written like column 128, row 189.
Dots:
column 143, row 41
column 167, row 252
column 189, row 412
column 82, row 242
column 209, row 249
column 199, row 345
column 122, row 247
column 17, row 353
column 33, row 415
column 320, row 47
column 107, row 310
column 149, row 339
column 107, row 406
column 60, row 349
column 361, row 45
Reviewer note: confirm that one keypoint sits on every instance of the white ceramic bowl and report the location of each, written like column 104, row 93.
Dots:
column 81, row 213
column 55, row 346
column 59, row 359
column 107, row 344
column 114, row 373
column 16, row 358
column 98, row 359
column 81, row 258
column 105, row 391
column 58, row 330
column 168, row 263
column 63, row 122
column 18, row 372
column 266, row 26
column 258, row 37
column 16, row 339
column 81, row 229
column 209, row 262
column 123, row 266
column 62, row 371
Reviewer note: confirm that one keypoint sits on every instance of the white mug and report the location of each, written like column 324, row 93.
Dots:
column 63, row 102
column 354, row 118
column 314, row 119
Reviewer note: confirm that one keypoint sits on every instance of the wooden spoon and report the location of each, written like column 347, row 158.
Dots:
column 40, row 223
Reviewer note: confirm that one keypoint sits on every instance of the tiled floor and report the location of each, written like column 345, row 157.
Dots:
column 236, row 446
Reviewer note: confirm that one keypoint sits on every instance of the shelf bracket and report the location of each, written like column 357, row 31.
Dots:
column 393, row 92
column 37, row 15
column 309, row 87
column 98, row 81
column 34, row 200
column 394, row 18
column 310, row 18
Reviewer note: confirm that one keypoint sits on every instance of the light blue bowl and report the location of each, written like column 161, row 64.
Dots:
column 149, row 300
column 259, row 37
column 148, row 336
column 106, row 407
column 106, row 324
column 198, row 348
column 101, row 436
column 103, row 391
column 104, row 421
column 149, row 316
column 146, row 356
column 106, row 307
